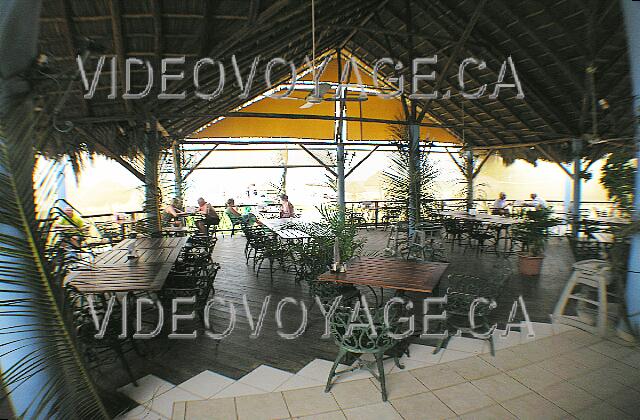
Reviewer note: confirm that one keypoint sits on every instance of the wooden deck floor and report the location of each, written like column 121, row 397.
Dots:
column 179, row 360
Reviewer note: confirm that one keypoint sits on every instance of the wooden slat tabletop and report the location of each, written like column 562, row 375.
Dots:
column 113, row 271
column 141, row 243
column 483, row 218
column 292, row 234
column 175, row 229
column 604, row 237
column 120, row 278
column 145, row 255
column 390, row 273
column 609, row 220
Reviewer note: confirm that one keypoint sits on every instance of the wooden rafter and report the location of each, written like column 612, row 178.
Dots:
column 540, row 98
column 456, row 51
column 118, row 43
column 446, row 24
column 317, row 159
column 361, row 161
column 104, row 149
column 484, row 160
column 552, row 158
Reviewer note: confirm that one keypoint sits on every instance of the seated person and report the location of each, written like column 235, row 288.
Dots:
column 537, row 202
column 500, row 206
column 73, row 226
column 210, row 216
column 172, row 212
column 234, row 214
column 287, row 210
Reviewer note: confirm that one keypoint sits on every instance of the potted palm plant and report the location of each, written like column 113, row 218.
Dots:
column 533, row 233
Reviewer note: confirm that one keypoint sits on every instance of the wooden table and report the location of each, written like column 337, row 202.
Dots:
column 500, row 222
column 604, row 237
column 177, row 230
column 390, row 273
column 281, row 227
column 152, row 243
column 145, row 255
column 482, row 218
column 609, row 220
column 120, row 278
column 113, row 271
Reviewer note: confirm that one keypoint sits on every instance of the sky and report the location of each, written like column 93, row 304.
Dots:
column 106, row 187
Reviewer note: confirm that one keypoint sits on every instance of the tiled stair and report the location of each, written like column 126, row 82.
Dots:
column 161, row 400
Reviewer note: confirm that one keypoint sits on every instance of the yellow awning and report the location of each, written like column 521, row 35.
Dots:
column 374, row 107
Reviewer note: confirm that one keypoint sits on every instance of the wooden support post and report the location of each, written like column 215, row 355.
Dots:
column 177, row 170
column 468, row 172
column 631, row 12
column 152, row 190
column 577, row 186
column 340, row 144
column 414, row 176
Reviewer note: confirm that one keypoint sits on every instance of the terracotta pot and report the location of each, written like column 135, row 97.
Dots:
column 528, row 265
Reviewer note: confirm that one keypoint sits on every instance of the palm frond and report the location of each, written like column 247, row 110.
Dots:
column 42, row 371
column 400, row 184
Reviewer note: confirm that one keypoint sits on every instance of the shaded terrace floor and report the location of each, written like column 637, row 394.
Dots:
column 179, row 360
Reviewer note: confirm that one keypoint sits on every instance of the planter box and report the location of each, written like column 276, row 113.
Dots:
column 528, row 265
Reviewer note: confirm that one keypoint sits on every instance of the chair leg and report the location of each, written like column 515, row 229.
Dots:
column 271, row 269
column 381, row 378
column 118, row 350
column 442, row 345
column 396, row 360
column 332, row 373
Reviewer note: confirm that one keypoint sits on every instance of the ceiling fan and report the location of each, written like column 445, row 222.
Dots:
column 320, row 92
column 316, row 96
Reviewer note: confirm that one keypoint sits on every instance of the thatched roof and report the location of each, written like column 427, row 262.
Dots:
column 552, row 48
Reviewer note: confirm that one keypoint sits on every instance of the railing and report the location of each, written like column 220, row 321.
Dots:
column 376, row 212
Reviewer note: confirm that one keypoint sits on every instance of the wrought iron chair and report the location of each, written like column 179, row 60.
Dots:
column 205, row 242
column 397, row 239
column 469, row 293
column 199, row 284
column 270, row 250
column 235, row 221
column 255, row 241
column 98, row 352
column 478, row 234
column 391, row 216
column 361, row 341
column 585, row 249
column 417, row 247
column 453, row 231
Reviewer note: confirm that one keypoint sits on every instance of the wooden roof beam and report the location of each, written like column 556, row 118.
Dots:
column 478, row 104
column 456, row 50
column 254, row 8
column 578, row 84
column 550, row 108
column 118, row 44
column 156, row 12
column 102, row 148
column 71, row 35
column 366, row 20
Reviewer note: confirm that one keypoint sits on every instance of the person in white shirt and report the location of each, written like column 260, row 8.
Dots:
column 537, row 202
column 500, row 205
